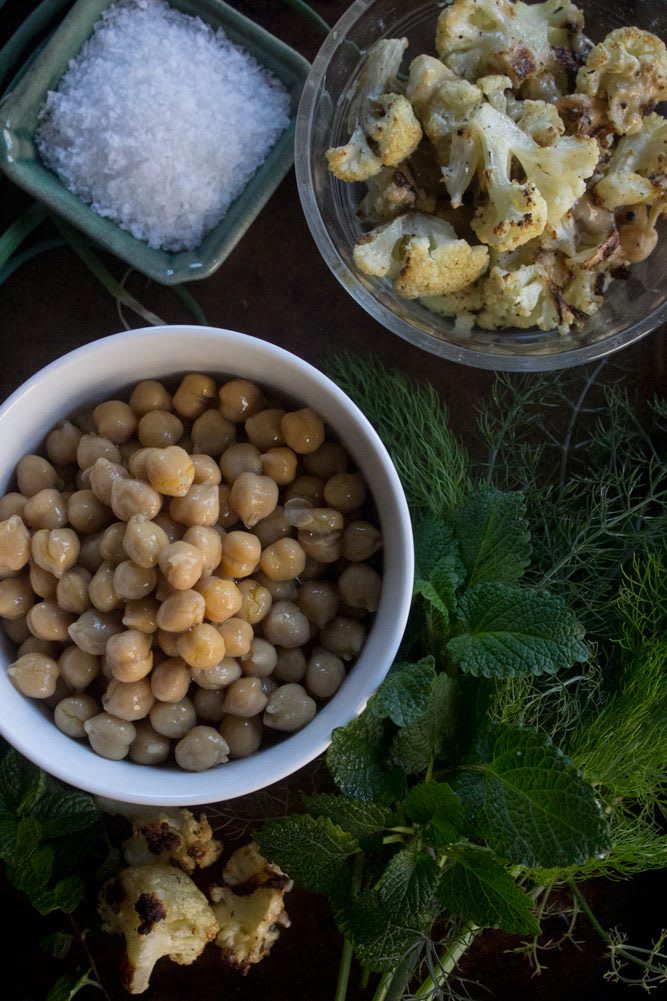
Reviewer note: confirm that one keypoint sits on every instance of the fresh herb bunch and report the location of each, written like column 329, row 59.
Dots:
column 456, row 810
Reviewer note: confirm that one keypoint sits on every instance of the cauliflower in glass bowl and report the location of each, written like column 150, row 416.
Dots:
column 488, row 178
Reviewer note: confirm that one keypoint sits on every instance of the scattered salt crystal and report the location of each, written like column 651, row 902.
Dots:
column 160, row 122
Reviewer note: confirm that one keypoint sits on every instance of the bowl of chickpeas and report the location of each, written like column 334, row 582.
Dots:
column 206, row 565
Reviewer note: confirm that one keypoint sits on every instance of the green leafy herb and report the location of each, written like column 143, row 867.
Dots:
column 416, row 746
column 407, row 886
column 364, row 821
column 404, row 694
column 312, row 850
column 493, row 536
column 436, row 806
column 357, row 760
column 476, row 887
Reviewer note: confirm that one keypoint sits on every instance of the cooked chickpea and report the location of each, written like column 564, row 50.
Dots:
column 220, row 676
column 16, row 630
column 240, row 554
column 195, row 393
column 112, row 543
column 159, row 428
column 101, row 476
column 181, row 564
column 289, row 708
column 239, row 399
column 273, row 527
column 245, row 697
column 131, row 497
column 200, row 506
column 212, row 433
column 33, row 645
column 101, row 589
column 207, row 469
column 11, row 504
column 171, row 528
column 222, row 598
column 361, row 540
column 317, row 520
column 227, row 516
column 45, row 509
column 129, row 655
column 260, row 660
column 170, row 680
column 242, row 735
column 325, row 674
column 360, row 587
column 319, row 601
column 286, row 626
column 143, row 541
column 92, row 447
column 256, row 601
column 173, row 719
column 209, row 543
column 93, row 629
column 127, row 450
column 72, row 592
column 164, row 589
column 149, row 395
column 115, row 420
column 201, row 647
column 306, row 488
column 72, row 712
column 16, row 597
column 130, row 581
column 48, row 622
column 43, row 583
column 280, row 464
column 170, row 470
column 237, row 635
column 61, row 443
column 327, row 460
column 325, row 548
column 33, row 473
column 208, row 704
column 167, row 642
column 79, row 669
column 35, row 675
column 240, row 458
column 181, row 611
column 263, row 429
column 303, row 430
column 141, row 614
column 148, row 746
column 253, row 497
column 138, row 462
column 90, row 555
column 14, row 543
column 345, row 491
column 282, row 561
column 280, row 590
column 86, row 513
column 291, row 665
column 343, row 636
column 129, row 700
column 109, row 736
column 201, row 748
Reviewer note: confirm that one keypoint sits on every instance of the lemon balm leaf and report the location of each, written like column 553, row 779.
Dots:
column 493, row 536
column 404, row 694
column 311, row 850
column 358, row 762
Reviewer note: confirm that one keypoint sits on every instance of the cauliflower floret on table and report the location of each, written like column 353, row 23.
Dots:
column 628, row 70
column 637, row 170
column 249, row 907
column 175, row 837
column 384, row 129
column 160, row 912
column 421, row 254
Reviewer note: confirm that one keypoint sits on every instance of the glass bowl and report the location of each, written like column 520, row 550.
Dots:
column 632, row 308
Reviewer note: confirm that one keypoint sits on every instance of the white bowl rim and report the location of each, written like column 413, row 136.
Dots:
column 126, row 781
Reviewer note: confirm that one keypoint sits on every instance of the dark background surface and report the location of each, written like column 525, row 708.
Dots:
column 275, row 286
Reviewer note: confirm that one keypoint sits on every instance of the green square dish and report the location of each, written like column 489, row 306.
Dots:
column 21, row 162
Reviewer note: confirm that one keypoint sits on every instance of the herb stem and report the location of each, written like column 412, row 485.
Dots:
column 19, row 230
column 347, row 953
column 449, row 960
column 403, row 830
column 81, row 939
column 312, row 15
column 393, row 839
column 383, row 986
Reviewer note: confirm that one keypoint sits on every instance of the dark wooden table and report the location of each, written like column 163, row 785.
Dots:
column 275, row 286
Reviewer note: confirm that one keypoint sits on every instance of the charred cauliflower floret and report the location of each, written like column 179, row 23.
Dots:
column 174, row 837
column 391, row 192
column 448, row 107
column 637, row 171
column 523, row 298
column 540, row 121
column 384, row 130
column 628, row 70
column 476, row 37
column 160, row 912
column 249, row 907
column 421, row 254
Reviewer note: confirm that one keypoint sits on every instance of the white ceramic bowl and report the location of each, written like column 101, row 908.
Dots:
column 101, row 370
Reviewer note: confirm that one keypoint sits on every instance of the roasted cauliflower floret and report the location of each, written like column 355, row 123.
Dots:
column 174, row 837
column 421, row 254
column 388, row 194
column 540, row 121
column 383, row 127
column 249, row 907
column 637, row 234
column 425, row 76
column 160, row 912
column 585, row 293
column 476, row 37
column 637, row 171
column 628, row 70
column 522, row 298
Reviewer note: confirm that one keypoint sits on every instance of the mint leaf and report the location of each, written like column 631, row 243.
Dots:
column 21, row 784
column 65, row 813
column 416, row 745
column 439, row 592
column 492, row 531
column 403, row 695
column 512, row 631
column 69, row 985
column 380, row 941
column 8, row 833
column 407, row 886
column 57, row 944
column 530, row 803
column 31, row 864
column 357, row 760
column 436, row 806
column 364, row 821
column 312, row 851
column 434, row 545
column 476, row 887
column 65, row 896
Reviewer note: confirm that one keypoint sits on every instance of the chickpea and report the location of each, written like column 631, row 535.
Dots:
column 201, row 748
column 35, row 675
column 361, row 540
column 115, row 420
column 127, row 450
column 101, row 476
column 48, row 622
column 208, row 704
column 222, row 598
column 306, row 488
column 253, row 497
column 167, row 643
column 72, row 590
column 16, row 597
column 320, row 547
column 86, row 513
column 245, row 698
column 130, row 497
column 242, row 735
column 327, row 460
column 291, row 665
column 90, row 555
column 33, row 645
column 255, row 601
column 195, row 393
column 318, row 520
column 143, row 540
column 138, row 462
column 79, row 669
column 72, row 712
column 240, row 554
column 16, row 630
column 209, row 544
column 220, row 676
column 207, row 469
column 283, row 561
column 109, row 736
column 92, row 447
column 148, row 746
column 91, row 630
column 170, row 470
column 325, row 674
column 273, row 527
column 343, row 636
column 171, row 528
column 33, row 473
column 360, row 587
column 141, row 614
column 286, row 626
column 181, row 563
column 112, row 544
column 280, row 464
column 173, row 719
column 101, row 590
column 345, row 491
column 170, row 680
column 159, row 428
column 11, row 504
column 228, row 515
column 149, row 395
column 318, row 600
column 181, row 611
column 289, row 708
column 263, row 429
column 43, row 583
column 240, row 458
column 239, row 399
column 14, row 543
column 212, row 433
column 128, row 700
column 202, row 646
column 200, row 506
column 61, row 443
column 130, row 581
column 260, row 660
column 303, row 430
column 84, row 421
column 129, row 655
column 280, row 590
column 45, row 509
column 237, row 635
column 163, row 588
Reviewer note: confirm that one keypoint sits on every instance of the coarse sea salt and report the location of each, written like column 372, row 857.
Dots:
column 160, row 122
